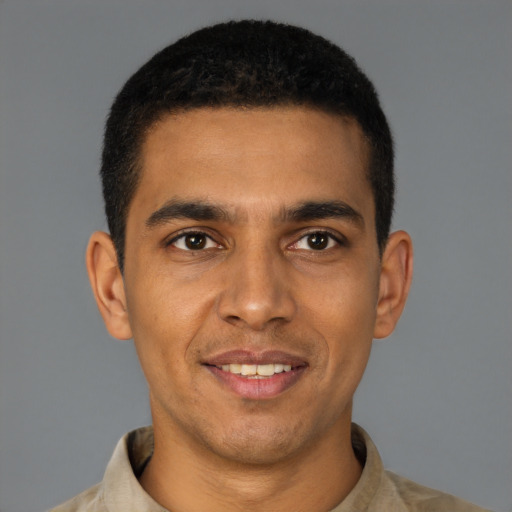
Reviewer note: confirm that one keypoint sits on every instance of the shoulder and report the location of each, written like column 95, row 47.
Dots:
column 89, row 500
column 119, row 489
column 418, row 498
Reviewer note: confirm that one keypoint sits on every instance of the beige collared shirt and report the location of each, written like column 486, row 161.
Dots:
column 376, row 491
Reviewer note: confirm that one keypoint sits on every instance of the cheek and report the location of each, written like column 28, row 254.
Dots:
column 158, row 305
column 165, row 316
column 345, row 317
column 345, row 299
column 155, row 325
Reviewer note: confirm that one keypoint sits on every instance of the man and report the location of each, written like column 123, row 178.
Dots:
column 248, row 181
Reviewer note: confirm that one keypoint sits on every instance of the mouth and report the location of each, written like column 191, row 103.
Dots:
column 256, row 371
column 256, row 376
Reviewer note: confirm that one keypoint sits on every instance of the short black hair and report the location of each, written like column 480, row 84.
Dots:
column 247, row 64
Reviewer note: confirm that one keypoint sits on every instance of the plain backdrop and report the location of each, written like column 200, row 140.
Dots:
column 437, row 394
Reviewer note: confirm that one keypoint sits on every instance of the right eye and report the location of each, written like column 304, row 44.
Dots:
column 193, row 241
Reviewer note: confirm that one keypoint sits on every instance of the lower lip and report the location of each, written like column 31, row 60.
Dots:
column 258, row 389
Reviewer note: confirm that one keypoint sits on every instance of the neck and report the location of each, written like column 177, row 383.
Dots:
column 182, row 476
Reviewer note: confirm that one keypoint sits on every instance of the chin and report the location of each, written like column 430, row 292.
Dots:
column 259, row 443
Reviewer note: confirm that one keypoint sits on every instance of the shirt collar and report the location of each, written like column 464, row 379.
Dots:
column 122, row 490
column 365, row 490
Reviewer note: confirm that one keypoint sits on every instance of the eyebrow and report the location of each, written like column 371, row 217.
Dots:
column 318, row 210
column 194, row 210
column 201, row 210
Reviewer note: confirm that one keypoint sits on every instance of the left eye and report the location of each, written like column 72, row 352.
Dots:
column 317, row 241
column 193, row 242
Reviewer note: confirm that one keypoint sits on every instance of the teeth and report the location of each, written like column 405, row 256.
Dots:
column 235, row 368
column 256, row 370
column 249, row 369
column 265, row 369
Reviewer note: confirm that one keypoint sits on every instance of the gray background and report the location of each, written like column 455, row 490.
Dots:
column 437, row 394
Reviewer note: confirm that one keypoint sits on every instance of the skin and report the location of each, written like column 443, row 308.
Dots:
column 259, row 283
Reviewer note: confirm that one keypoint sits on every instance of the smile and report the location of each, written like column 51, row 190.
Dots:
column 255, row 371
column 256, row 376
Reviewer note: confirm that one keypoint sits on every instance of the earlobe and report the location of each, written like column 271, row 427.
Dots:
column 395, row 281
column 107, row 284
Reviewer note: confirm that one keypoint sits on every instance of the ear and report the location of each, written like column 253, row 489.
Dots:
column 108, row 285
column 395, row 281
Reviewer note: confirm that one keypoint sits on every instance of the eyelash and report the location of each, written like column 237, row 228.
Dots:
column 184, row 235
column 338, row 240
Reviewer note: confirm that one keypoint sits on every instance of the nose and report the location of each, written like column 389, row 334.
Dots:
column 257, row 290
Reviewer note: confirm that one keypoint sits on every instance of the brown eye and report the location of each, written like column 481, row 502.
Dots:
column 318, row 241
column 195, row 241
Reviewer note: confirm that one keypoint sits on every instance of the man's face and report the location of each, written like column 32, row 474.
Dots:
column 251, row 248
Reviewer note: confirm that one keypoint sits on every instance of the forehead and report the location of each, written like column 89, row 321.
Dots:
column 241, row 157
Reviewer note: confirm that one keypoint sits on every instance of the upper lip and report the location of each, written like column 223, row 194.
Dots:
column 249, row 357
